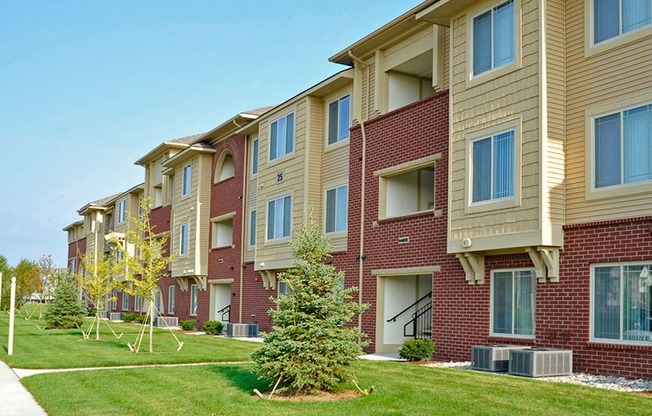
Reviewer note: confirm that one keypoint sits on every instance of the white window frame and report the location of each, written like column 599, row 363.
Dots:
column 253, row 219
column 385, row 174
column 186, row 180
column 293, row 137
column 184, row 237
column 621, row 340
column 219, row 167
column 336, row 216
column 172, row 304
column 516, row 23
column 338, row 104
column 114, row 300
column 493, row 300
column 122, row 210
column 591, row 114
column 494, row 204
column 217, row 226
column 194, row 300
column 621, row 37
column 255, row 156
column 277, row 201
column 137, row 301
column 125, row 300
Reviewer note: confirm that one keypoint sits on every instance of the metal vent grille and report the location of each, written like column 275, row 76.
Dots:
column 242, row 330
column 540, row 362
column 115, row 316
column 493, row 358
column 167, row 321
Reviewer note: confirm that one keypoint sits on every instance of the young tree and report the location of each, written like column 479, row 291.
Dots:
column 66, row 311
column 46, row 274
column 7, row 272
column 143, row 260
column 98, row 280
column 28, row 279
column 311, row 347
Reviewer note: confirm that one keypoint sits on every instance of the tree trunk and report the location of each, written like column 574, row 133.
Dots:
column 97, row 316
column 151, row 326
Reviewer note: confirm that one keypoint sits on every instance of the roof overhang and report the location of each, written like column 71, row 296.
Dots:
column 194, row 150
column 227, row 128
column 379, row 37
column 73, row 225
column 442, row 11
column 158, row 151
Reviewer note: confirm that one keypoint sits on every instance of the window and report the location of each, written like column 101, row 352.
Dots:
column 408, row 192
column 279, row 213
column 185, row 186
column 114, row 299
column 512, row 302
column 194, row 305
column 125, row 301
column 183, row 236
column 254, row 157
column 158, row 196
column 336, row 209
column 158, row 301
column 338, row 120
column 225, row 168
column 612, row 18
column 281, row 137
column 122, row 211
column 137, row 301
column 223, row 233
column 172, row 306
column 623, row 147
column 493, row 38
column 73, row 265
column 493, row 167
column 283, row 288
column 621, row 301
column 252, row 228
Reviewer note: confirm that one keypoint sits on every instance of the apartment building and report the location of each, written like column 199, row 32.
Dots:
column 482, row 169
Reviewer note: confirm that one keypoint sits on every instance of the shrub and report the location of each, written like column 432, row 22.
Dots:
column 141, row 319
column 66, row 311
column 417, row 349
column 130, row 317
column 311, row 348
column 188, row 324
column 213, row 327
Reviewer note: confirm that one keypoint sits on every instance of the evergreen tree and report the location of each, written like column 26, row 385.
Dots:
column 66, row 311
column 311, row 348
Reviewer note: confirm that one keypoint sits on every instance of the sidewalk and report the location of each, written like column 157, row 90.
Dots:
column 15, row 400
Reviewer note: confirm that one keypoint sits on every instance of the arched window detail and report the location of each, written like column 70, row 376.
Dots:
column 225, row 167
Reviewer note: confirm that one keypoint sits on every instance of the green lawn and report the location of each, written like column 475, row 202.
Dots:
column 401, row 389
column 37, row 348
column 226, row 389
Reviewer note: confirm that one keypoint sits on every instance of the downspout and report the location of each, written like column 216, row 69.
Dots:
column 361, row 255
column 243, row 216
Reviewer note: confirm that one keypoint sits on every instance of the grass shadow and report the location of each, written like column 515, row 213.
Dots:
column 242, row 377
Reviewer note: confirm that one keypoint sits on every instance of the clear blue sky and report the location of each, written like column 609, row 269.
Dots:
column 87, row 87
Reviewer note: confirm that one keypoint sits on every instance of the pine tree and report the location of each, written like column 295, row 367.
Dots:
column 311, row 347
column 66, row 311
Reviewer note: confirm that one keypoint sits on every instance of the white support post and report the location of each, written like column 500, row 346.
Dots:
column 12, row 307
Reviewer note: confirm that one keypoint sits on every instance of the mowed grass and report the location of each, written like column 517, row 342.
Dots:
column 400, row 389
column 38, row 348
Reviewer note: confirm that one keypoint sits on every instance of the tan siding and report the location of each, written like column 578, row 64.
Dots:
column 514, row 95
column 446, row 56
column 608, row 77
column 183, row 212
column 315, row 142
column 556, row 93
column 252, row 200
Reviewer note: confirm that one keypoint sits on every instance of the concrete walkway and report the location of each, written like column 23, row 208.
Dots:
column 15, row 400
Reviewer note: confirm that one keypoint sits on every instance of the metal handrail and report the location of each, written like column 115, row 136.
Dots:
column 425, row 309
column 429, row 295
column 225, row 311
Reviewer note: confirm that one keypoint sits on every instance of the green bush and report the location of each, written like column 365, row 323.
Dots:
column 130, row 317
column 141, row 319
column 417, row 349
column 213, row 327
column 66, row 311
column 188, row 324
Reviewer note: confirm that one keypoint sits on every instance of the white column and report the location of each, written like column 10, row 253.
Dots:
column 12, row 306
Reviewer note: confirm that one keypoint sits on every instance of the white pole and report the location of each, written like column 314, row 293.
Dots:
column 12, row 306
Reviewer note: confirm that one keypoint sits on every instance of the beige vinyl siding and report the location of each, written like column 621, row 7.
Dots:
column 510, row 98
column 608, row 77
column 445, row 45
column 185, row 210
column 556, row 112
column 314, row 148
column 292, row 168
column 203, row 213
column 252, row 198
column 334, row 166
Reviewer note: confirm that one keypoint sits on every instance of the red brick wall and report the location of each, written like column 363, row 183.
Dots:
column 409, row 133
column 76, row 250
column 159, row 218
